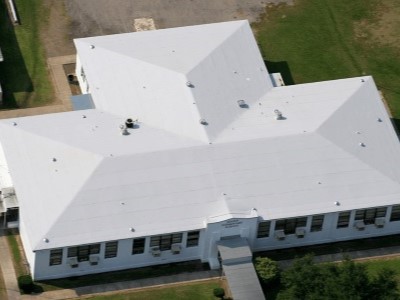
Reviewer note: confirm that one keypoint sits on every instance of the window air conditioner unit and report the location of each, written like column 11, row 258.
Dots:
column 155, row 251
column 360, row 225
column 94, row 260
column 379, row 222
column 176, row 248
column 300, row 232
column 73, row 262
column 280, row 234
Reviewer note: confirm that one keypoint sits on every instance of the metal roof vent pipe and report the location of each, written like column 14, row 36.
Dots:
column 124, row 130
column 203, row 122
column 129, row 123
column 278, row 115
column 189, row 84
column 242, row 104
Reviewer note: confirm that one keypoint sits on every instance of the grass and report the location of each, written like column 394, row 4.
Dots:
column 375, row 265
column 118, row 276
column 194, row 291
column 23, row 74
column 331, row 39
column 12, row 239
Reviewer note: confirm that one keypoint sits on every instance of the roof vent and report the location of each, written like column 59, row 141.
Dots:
column 361, row 144
column 189, row 84
column 54, row 159
column 242, row 104
column 46, row 240
column 83, row 116
column 92, row 47
column 14, row 123
column 131, row 229
column 203, row 122
column 124, row 130
column 379, row 120
column 337, row 203
column 129, row 123
column 278, row 115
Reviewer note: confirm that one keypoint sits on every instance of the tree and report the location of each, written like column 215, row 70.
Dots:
column 384, row 285
column 267, row 270
column 347, row 280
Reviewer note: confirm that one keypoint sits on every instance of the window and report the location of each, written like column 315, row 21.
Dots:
column 56, row 257
column 83, row 252
column 138, row 246
column 193, row 238
column 263, row 229
column 343, row 220
column 111, row 249
column 395, row 215
column 370, row 214
column 289, row 225
column 317, row 223
column 165, row 241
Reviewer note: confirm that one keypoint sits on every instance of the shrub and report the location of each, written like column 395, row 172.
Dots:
column 25, row 283
column 219, row 293
column 267, row 270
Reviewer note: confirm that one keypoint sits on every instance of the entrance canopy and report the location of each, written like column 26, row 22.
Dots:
column 238, row 267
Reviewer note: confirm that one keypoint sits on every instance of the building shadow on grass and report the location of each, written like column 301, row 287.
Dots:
column 280, row 67
column 14, row 77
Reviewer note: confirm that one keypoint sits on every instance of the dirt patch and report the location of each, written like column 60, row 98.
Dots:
column 56, row 35
column 385, row 30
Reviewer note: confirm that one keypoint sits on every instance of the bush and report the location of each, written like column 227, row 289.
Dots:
column 25, row 283
column 267, row 270
column 219, row 293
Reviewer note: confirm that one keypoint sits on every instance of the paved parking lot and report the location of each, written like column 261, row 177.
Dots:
column 101, row 17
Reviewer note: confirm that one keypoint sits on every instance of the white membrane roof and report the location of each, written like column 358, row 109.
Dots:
column 78, row 180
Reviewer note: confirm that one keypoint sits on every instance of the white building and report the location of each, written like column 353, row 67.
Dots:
column 217, row 152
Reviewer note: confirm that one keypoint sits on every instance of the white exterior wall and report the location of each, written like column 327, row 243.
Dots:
column 83, row 84
column 245, row 227
column 29, row 254
column 328, row 234
column 124, row 260
column 207, row 248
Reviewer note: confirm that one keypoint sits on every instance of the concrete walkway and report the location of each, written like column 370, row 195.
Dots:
column 7, row 267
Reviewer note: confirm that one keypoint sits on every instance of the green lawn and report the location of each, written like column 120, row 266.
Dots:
column 23, row 74
column 374, row 266
column 195, row 291
column 16, row 253
column 330, row 39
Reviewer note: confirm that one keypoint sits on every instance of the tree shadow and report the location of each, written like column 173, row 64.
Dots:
column 280, row 67
column 14, row 76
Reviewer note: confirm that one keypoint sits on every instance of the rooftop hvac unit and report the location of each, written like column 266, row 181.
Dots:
column 94, row 260
column 280, row 234
column 176, row 248
column 155, row 251
column 360, row 225
column 380, row 222
column 300, row 232
column 73, row 262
